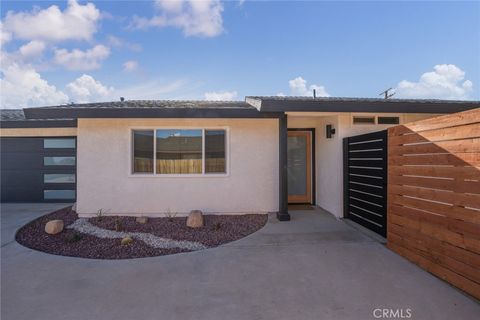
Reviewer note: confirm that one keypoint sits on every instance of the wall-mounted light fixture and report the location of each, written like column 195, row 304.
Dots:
column 330, row 131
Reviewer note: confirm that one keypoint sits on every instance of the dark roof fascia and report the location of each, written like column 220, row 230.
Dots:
column 365, row 106
column 71, row 123
column 72, row 112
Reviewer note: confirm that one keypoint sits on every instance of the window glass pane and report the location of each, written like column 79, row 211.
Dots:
column 215, row 151
column 388, row 120
column 59, row 178
column 59, row 161
column 297, row 163
column 58, row 143
column 59, row 194
column 364, row 120
column 179, row 151
column 143, row 151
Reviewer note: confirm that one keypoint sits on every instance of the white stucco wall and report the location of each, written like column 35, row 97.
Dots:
column 104, row 163
column 329, row 152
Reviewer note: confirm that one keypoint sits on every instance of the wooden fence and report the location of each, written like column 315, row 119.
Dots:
column 434, row 196
column 180, row 166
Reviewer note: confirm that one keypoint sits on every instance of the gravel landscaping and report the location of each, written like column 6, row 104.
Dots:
column 100, row 237
column 218, row 229
column 83, row 226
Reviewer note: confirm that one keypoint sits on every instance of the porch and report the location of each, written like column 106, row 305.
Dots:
column 431, row 216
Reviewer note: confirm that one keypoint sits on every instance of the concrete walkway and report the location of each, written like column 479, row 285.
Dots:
column 313, row 267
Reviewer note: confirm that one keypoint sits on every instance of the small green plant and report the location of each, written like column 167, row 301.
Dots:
column 118, row 225
column 170, row 215
column 75, row 237
column 217, row 226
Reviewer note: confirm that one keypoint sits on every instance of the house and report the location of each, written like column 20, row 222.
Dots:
column 152, row 157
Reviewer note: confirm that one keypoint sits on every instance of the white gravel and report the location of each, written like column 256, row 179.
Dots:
column 83, row 226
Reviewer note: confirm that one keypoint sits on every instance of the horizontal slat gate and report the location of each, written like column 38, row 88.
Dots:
column 434, row 196
column 365, row 180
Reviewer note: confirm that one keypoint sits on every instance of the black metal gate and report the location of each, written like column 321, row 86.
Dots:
column 365, row 180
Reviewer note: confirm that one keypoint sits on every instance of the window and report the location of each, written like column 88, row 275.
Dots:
column 363, row 120
column 215, row 151
column 143, row 151
column 59, row 161
column 58, row 143
column 372, row 120
column 58, row 194
column 179, row 151
column 388, row 120
column 59, row 178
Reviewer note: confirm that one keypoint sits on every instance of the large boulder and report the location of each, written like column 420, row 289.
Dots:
column 126, row 241
column 54, row 226
column 195, row 219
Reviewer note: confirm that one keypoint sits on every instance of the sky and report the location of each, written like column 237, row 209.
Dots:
column 86, row 51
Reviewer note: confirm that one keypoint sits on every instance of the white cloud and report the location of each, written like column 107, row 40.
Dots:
column 221, row 96
column 86, row 89
column 32, row 49
column 169, row 5
column 298, row 87
column 120, row 43
column 446, row 81
column 130, row 66
column 153, row 89
column 81, row 60
column 5, row 36
column 76, row 22
column 202, row 18
column 22, row 86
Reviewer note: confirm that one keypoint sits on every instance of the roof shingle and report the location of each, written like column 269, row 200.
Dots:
column 12, row 115
column 157, row 104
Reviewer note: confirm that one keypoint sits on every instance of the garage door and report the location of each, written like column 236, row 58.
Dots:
column 39, row 169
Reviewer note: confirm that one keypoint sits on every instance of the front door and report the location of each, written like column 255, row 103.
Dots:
column 299, row 164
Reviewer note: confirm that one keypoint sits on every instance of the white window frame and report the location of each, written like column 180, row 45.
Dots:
column 375, row 116
column 180, row 175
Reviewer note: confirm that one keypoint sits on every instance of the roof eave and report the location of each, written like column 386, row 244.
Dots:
column 364, row 106
column 72, row 112
column 46, row 123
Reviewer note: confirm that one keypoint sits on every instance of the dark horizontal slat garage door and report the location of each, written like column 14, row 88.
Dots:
column 38, row 169
column 365, row 180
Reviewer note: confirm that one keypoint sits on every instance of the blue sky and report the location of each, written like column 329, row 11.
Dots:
column 226, row 50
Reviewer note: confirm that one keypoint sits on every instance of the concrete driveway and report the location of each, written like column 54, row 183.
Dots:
column 313, row 267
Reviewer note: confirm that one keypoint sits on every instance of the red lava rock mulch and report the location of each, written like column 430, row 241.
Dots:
column 217, row 230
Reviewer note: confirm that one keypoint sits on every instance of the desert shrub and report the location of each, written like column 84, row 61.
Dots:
column 118, row 225
column 170, row 215
column 100, row 213
column 74, row 237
